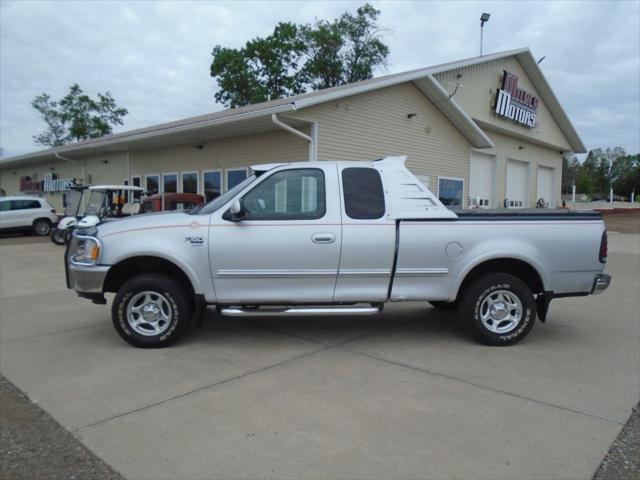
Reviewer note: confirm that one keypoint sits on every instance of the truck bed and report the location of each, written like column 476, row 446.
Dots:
column 532, row 214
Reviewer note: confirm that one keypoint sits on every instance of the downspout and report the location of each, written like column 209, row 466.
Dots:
column 290, row 129
column 60, row 157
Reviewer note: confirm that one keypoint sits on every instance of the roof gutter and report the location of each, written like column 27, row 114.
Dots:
column 290, row 129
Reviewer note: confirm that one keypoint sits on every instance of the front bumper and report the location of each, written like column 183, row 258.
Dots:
column 600, row 283
column 86, row 279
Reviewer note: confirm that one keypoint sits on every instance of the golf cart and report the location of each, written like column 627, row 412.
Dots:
column 104, row 202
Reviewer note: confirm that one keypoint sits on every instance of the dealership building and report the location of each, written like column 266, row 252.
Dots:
column 483, row 132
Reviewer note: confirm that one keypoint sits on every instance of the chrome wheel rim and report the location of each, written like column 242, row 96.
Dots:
column 149, row 313
column 501, row 311
column 42, row 228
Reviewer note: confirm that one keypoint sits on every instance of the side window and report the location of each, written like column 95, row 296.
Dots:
column 450, row 191
column 212, row 181
column 363, row 193
column 288, row 195
column 4, row 206
column 24, row 204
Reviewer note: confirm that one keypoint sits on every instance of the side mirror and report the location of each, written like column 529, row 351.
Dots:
column 236, row 211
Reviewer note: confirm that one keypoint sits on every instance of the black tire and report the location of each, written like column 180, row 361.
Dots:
column 42, row 227
column 445, row 306
column 501, row 289
column 58, row 236
column 168, row 293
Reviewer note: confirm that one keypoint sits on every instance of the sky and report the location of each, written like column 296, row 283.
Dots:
column 154, row 57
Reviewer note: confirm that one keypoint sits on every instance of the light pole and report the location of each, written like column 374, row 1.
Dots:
column 483, row 19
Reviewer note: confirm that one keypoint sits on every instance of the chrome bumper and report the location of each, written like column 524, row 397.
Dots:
column 601, row 283
column 87, row 279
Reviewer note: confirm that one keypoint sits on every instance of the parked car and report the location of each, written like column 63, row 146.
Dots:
column 171, row 201
column 337, row 238
column 30, row 214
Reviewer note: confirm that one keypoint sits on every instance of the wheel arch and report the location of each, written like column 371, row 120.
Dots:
column 132, row 266
column 523, row 269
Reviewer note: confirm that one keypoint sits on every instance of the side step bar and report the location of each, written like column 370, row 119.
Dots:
column 298, row 311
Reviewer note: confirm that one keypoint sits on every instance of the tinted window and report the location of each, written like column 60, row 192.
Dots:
column 152, row 184
column 363, row 194
column 190, row 182
column 170, row 183
column 288, row 195
column 4, row 206
column 212, row 185
column 234, row 177
column 24, row 204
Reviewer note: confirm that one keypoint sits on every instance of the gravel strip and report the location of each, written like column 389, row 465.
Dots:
column 34, row 446
column 623, row 460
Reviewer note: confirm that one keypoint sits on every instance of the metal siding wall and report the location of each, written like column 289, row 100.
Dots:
column 478, row 86
column 375, row 124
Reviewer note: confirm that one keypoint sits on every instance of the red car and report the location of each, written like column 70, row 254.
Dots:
column 170, row 201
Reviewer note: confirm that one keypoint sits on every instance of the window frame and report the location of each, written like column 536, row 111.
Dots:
column 457, row 179
column 177, row 182
column 181, row 181
column 204, row 187
column 147, row 175
column 280, row 218
column 226, row 176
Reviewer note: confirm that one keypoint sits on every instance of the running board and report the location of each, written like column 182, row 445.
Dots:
column 298, row 311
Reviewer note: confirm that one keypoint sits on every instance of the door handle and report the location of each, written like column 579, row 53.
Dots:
column 323, row 238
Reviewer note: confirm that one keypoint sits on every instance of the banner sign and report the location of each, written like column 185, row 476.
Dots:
column 49, row 184
column 514, row 103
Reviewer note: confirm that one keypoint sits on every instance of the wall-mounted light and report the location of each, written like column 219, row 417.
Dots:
column 520, row 147
column 411, row 115
column 200, row 147
column 105, row 161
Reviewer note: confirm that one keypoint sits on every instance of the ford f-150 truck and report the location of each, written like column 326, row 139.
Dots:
column 336, row 238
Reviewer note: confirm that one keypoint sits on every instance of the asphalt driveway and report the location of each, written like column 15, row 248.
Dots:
column 401, row 395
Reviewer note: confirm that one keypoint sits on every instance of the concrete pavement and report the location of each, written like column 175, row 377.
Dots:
column 402, row 395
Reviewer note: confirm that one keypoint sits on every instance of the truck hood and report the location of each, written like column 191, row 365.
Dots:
column 147, row 220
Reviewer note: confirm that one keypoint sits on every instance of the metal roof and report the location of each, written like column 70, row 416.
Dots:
column 256, row 117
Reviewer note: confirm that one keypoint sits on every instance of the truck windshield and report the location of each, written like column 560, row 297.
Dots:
column 216, row 203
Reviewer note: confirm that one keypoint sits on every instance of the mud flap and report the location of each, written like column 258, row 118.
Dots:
column 542, row 305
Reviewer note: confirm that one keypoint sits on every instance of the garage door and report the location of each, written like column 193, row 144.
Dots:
column 517, row 182
column 482, row 180
column 545, row 185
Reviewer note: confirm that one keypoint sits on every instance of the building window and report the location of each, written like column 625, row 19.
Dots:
column 212, row 180
column 234, row 177
column 363, row 193
column 169, row 183
column 190, row 182
column 450, row 191
column 288, row 195
column 136, row 181
column 152, row 184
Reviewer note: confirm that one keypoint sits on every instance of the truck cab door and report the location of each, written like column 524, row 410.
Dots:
column 286, row 247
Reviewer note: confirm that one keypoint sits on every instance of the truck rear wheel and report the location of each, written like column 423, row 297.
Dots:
column 498, row 309
column 151, row 311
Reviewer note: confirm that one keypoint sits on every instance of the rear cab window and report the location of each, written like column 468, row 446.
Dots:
column 363, row 193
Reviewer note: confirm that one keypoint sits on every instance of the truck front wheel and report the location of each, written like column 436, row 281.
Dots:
column 498, row 309
column 151, row 311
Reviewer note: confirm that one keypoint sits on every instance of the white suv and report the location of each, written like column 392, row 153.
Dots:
column 27, row 213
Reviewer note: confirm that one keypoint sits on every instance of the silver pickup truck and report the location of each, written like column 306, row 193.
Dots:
column 336, row 238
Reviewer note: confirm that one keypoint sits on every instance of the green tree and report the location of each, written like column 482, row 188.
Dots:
column 584, row 185
column 298, row 58
column 76, row 116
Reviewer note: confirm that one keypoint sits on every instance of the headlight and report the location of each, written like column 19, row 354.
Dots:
column 86, row 250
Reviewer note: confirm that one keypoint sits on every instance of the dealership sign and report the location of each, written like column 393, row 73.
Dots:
column 514, row 103
column 49, row 184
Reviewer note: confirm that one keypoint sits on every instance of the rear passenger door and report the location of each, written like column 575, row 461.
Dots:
column 368, row 238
